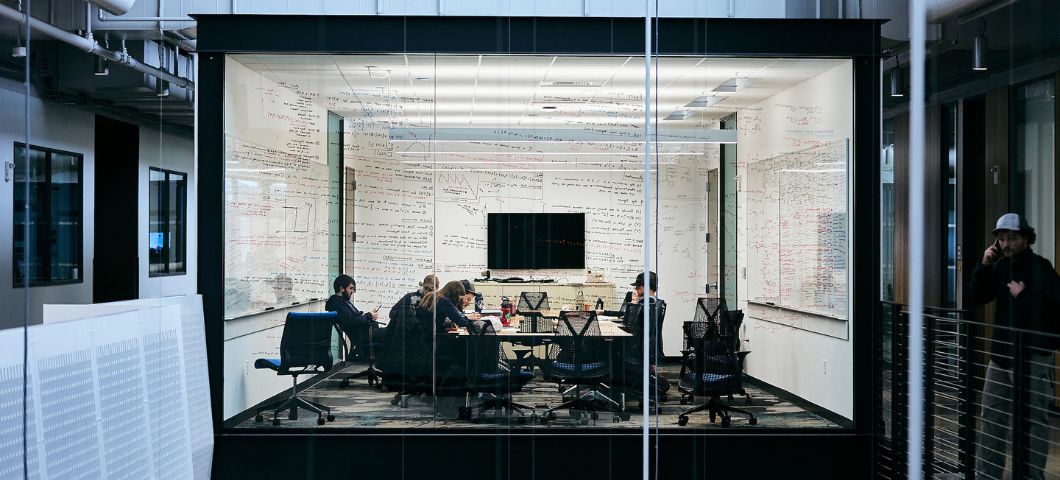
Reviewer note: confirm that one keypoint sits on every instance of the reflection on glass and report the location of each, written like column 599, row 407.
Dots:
column 53, row 217
column 1034, row 186
column 166, row 235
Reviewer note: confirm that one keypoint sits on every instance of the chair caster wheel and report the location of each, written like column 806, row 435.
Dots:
column 275, row 422
column 259, row 418
column 726, row 421
column 624, row 416
column 331, row 418
column 682, row 420
column 615, row 418
column 320, row 420
column 464, row 413
column 752, row 421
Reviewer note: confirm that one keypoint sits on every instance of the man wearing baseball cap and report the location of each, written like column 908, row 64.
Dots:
column 1027, row 293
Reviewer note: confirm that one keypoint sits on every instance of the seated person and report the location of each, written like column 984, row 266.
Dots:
column 357, row 325
column 412, row 299
column 445, row 307
column 655, row 352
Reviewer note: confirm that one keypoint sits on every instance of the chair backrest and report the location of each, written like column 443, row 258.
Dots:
column 709, row 312
column 579, row 341
column 634, row 318
column 408, row 344
column 485, row 354
column 533, row 301
column 306, row 340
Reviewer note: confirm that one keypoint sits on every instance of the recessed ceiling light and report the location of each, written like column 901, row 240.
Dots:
column 705, row 101
column 548, row 107
column 571, row 84
column 423, row 78
column 734, row 84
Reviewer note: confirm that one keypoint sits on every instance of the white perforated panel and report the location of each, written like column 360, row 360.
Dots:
column 125, row 443
column 165, row 405
column 67, row 401
column 11, row 422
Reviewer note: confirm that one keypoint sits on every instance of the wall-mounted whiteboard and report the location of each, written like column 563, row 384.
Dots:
column 276, row 195
column 797, row 230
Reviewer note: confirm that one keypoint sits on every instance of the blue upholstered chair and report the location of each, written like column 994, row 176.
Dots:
column 305, row 349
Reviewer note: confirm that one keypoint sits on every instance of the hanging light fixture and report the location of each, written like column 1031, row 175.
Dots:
column 897, row 85
column 979, row 50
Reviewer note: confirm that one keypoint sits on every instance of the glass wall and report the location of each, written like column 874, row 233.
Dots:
column 518, row 183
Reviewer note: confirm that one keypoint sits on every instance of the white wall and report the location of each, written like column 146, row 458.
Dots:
column 70, row 129
column 162, row 150
column 62, row 128
column 810, row 356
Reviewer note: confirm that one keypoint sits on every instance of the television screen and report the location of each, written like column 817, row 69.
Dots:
column 535, row 240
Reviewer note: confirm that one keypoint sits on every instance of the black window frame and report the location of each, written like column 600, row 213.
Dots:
column 45, row 210
column 182, row 224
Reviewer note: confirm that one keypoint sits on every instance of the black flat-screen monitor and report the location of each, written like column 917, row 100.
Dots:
column 535, row 240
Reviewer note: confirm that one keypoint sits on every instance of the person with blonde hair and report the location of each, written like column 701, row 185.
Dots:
column 445, row 307
column 412, row 299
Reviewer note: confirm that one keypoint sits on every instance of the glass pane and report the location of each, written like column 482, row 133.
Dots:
column 156, row 226
column 31, row 178
column 1034, row 176
column 65, row 232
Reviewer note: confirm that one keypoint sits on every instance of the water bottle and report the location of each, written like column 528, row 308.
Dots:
column 478, row 303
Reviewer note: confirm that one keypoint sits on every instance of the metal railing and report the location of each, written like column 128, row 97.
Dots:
column 962, row 440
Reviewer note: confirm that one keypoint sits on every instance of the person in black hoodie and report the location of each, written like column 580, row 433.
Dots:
column 1026, row 290
column 357, row 325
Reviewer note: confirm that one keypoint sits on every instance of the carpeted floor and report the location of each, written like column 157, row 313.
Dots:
column 359, row 406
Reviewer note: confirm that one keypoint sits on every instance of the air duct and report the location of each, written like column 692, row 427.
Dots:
column 90, row 46
column 114, row 7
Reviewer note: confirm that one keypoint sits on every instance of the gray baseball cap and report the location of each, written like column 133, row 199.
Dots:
column 1013, row 222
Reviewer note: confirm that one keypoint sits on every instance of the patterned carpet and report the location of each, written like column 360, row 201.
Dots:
column 359, row 406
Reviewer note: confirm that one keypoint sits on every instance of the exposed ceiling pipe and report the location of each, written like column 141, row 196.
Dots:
column 91, row 46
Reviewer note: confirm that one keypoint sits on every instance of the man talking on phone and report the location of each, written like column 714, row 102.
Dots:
column 1027, row 294
column 357, row 325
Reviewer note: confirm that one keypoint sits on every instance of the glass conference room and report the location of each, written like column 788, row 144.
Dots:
column 526, row 176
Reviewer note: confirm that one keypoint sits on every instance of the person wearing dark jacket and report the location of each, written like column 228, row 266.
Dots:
column 357, row 325
column 1026, row 292
column 412, row 299
column 445, row 307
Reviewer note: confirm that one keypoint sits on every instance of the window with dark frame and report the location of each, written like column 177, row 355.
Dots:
column 167, row 227
column 53, row 216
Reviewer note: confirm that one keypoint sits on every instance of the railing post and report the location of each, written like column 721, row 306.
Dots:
column 966, row 419
column 1020, row 406
column 930, row 324
column 899, row 387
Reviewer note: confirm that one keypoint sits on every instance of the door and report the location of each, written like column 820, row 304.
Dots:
column 116, row 252
column 348, row 196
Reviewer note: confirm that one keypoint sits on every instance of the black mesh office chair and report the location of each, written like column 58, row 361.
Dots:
column 490, row 374
column 405, row 366
column 532, row 301
column 579, row 356
column 708, row 309
column 711, row 368
column 633, row 354
column 367, row 351
column 715, row 310
column 305, row 348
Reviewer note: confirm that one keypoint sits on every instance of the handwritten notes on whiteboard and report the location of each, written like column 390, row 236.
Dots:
column 797, row 234
column 276, row 195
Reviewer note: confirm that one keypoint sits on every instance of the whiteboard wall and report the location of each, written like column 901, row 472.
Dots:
column 411, row 222
column 797, row 235
column 276, row 194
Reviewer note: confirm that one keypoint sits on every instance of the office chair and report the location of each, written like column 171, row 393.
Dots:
column 711, row 368
column 714, row 310
column 579, row 356
column 406, row 366
column 371, row 372
column 633, row 357
column 490, row 375
column 305, row 348
column 708, row 309
column 532, row 301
